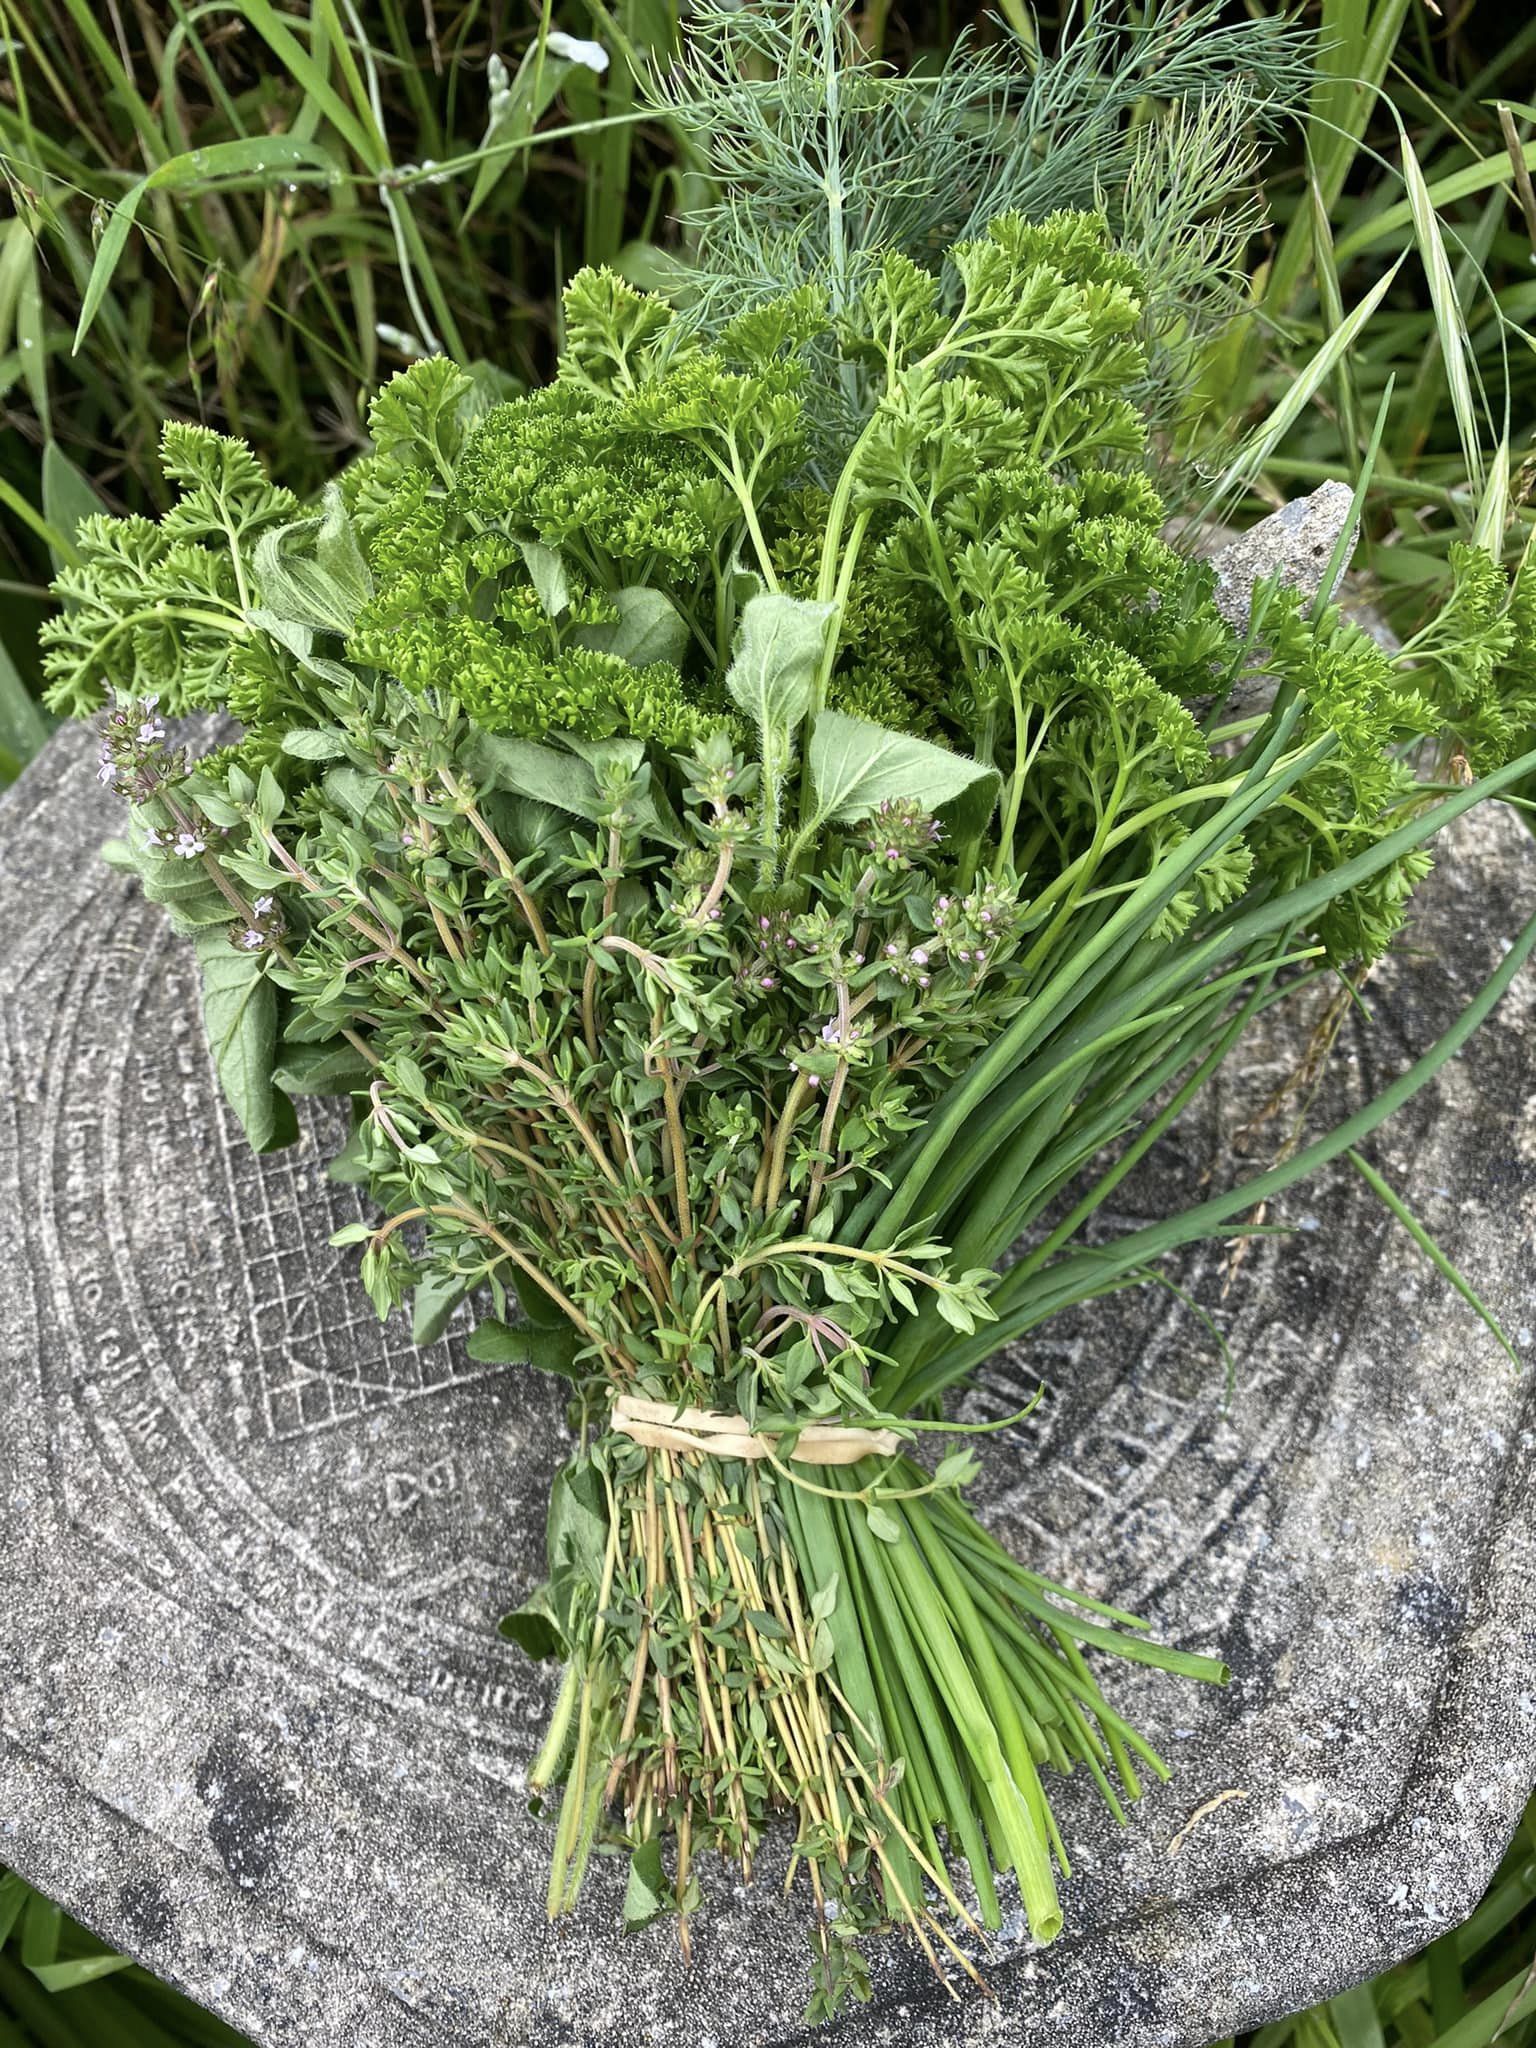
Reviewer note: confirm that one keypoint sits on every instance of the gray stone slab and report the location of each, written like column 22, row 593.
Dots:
column 257, row 1729
column 1298, row 540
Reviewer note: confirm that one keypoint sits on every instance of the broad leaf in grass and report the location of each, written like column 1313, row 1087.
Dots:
column 69, row 496
column 856, row 767
column 23, row 728
column 240, row 1017
column 649, row 628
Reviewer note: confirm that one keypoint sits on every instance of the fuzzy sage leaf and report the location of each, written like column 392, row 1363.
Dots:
column 779, row 647
column 240, row 1018
column 649, row 628
column 313, row 571
column 856, row 767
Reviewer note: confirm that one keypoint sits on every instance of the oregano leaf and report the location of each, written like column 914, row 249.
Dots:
column 330, row 1068
column 433, row 1302
column 647, row 1895
column 549, row 1350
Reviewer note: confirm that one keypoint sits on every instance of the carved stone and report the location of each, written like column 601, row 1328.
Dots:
column 255, row 1723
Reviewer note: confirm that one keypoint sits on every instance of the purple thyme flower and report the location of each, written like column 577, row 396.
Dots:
column 135, row 760
column 263, row 932
column 902, row 832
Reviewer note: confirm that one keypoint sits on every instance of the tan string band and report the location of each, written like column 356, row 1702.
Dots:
column 662, row 1427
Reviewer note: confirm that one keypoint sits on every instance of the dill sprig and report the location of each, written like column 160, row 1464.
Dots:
column 825, row 159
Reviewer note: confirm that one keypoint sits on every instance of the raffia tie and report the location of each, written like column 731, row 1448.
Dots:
column 664, row 1428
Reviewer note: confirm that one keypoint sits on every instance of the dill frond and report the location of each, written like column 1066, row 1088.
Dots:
column 823, row 156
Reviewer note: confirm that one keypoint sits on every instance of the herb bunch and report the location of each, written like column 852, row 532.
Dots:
column 751, row 863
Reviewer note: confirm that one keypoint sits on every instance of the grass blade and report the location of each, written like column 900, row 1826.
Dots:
column 1355, row 2019
column 262, row 160
column 1450, row 321
column 1493, row 511
column 1441, row 1260
column 1440, row 192
column 1251, row 459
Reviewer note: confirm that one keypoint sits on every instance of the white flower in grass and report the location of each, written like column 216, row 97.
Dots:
column 576, row 50
column 397, row 338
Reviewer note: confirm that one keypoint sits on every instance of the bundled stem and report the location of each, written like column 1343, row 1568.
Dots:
column 874, row 1665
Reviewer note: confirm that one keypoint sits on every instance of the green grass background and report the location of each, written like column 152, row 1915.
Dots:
column 288, row 192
